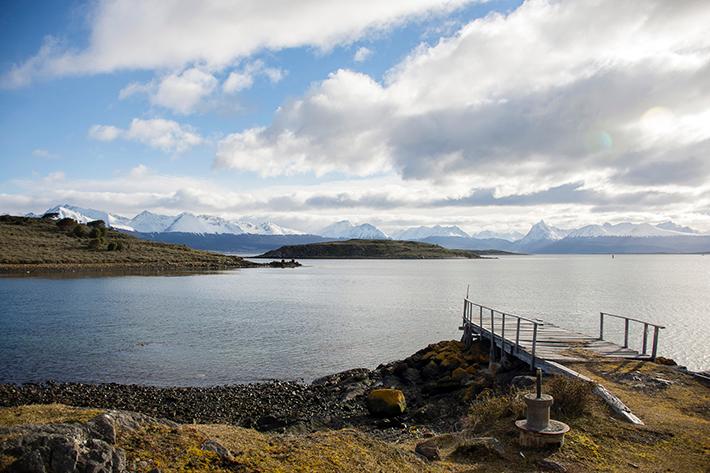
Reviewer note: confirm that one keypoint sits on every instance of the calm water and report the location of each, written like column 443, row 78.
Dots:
column 328, row 316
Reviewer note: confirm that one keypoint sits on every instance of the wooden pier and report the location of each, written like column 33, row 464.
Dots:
column 535, row 341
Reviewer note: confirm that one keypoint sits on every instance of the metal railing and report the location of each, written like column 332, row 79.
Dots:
column 471, row 310
column 644, row 345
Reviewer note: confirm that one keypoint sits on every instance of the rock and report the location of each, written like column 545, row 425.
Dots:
column 549, row 465
column 104, row 428
column 386, row 402
column 431, row 370
column 523, row 381
column 429, row 450
column 479, row 446
column 223, row 452
column 412, row 376
column 459, row 373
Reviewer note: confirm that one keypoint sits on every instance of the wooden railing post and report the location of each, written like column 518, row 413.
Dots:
column 492, row 354
column 534, row 342
column 601, row 325
column 517, row 335
column 502, row 334
column 645, row 338
column 655, row 343
column 626, row 333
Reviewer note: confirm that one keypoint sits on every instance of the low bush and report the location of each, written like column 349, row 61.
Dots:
column 572, row 396
column 491, row 407
column 79, row 231
column 66, row 223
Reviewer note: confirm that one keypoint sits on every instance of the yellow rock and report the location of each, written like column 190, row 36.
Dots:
column 386, row 402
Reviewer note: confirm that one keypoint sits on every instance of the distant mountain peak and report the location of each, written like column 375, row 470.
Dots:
column 345, row 229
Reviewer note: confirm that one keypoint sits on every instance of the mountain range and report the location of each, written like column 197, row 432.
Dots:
column 219, row 234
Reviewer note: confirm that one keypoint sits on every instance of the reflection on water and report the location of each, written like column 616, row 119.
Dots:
column 251, row 324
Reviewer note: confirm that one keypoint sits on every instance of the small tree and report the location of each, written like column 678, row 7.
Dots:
column 112, row 246
column 66, row 223
column 97, row 224
column 96, row 243
column 79, row 231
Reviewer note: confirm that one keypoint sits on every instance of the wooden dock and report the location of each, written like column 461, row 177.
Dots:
column 535, row 341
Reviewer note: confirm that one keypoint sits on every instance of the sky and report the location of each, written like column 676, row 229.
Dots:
column 490, row 115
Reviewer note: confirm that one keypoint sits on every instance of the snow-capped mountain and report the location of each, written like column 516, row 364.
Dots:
column 345, row 229
column 541, row 232
column 508, row 236
column 148, row 222
column 626, row 229
column 668, row 225
column 84, row 215
column 420, row 233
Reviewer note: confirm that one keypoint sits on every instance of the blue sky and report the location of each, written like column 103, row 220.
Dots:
column 486, row 115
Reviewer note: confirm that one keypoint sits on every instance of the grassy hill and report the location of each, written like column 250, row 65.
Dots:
column 367, row 249
column 33, row 244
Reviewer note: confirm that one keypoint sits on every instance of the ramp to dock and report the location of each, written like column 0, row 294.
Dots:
column 534, row 340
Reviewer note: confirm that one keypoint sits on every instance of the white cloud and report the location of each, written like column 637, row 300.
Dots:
column 139, row 171
column 134, row 34
column 104, row 132
column 244, row 79
column 521, row 102
column 182, row 92
column 166, row 135
column 362, row 54
column 44, row 153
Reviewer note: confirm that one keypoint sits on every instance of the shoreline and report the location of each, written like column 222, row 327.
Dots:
column 459, row 415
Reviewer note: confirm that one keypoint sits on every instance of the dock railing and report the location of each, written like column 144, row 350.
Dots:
column 476, row 316
column 627, row 320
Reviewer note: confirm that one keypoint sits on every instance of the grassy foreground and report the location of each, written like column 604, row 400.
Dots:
column 368, row 249
column 32, row 244
column 674, row 406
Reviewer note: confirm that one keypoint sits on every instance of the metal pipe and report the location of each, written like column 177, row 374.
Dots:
column 645, row 338
column 493, row 339
column 502, row 334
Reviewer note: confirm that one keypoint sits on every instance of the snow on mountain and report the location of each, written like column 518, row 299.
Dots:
column 345, row 229
column 83, row 215
column 148, row 222
column 543, row 232
column 668, row 225
column 624, row 229
column 420, row 233
column 509, row 236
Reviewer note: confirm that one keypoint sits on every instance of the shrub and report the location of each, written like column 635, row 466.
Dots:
column 97, row 224
column 66, row 223
column 491, row 407
column 572, row 395
column 97, row 232
column 112, row 246
column 119, row 246
column 96, row 243
column 79, row 231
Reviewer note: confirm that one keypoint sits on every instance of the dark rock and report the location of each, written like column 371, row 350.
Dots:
column 549, row 465
column 103, row 427
column 216, row 447
column 429, row 450
column 431, row 370
column 479, row 447
column 523, row 382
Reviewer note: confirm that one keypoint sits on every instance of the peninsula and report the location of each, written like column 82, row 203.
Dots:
column 32, row 245
column 368, row 249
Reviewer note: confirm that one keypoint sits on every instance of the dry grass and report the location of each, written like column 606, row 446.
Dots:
column 45, row 414
column 572, row 396
column 35, row 244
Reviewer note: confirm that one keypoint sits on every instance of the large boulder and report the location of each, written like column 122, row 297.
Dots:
column 386, row 402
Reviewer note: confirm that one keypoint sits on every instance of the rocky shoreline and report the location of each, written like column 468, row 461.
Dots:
column 437, row 381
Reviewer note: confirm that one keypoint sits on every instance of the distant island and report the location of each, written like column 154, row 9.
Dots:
column 368, row 249
column 62, row 245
